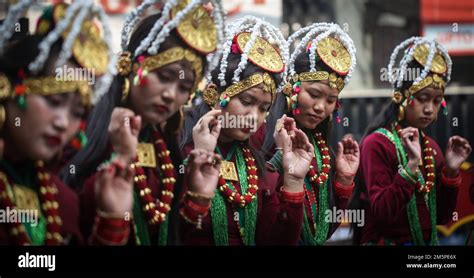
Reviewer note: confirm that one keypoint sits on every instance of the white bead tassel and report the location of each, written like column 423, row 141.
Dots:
column 66, row 50
column 145, row 43
column 301, row 47
column 105, row 81
column 219, row 18
column 52, row 37
column 169, row 26
column 132, row 19
column 245, row 52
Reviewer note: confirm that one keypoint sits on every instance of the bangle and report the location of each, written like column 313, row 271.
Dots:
column 197, row 222
column 200, row 196
column 296, row 197
column 111, row 215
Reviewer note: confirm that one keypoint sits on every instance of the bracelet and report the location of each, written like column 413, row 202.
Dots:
column 198, row 221
column 297, row 197
column 200, row 196
column 110, row 231
column 111, row 215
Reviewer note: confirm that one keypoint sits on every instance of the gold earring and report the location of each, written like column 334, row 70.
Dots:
column 3, row 116
column 401, row 113
column 288, row 104
column 125, row 89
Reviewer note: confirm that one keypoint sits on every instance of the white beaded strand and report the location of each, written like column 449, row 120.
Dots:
column 164, row 32
column 105, row 81
column 66, row 49
column 132, row 19
column 413, row 43
column 53, row 36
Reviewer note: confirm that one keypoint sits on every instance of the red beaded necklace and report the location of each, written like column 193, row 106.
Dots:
column 232, row 195
column 156, row 214
column 428, row 159
column 315, row 179
column 50, row 206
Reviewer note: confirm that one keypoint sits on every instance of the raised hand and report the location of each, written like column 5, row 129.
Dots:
column 347, row 160
column 297, row 156
column 123, row 130
column 411, row 141
column 457, row 151
column 207, row 130
column 284, row 122
column 203, row 172
column 114, row 188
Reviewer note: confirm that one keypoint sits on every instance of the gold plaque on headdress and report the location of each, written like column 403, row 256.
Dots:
column 197, row 28
column 262, row 53
column 228, row 171
column 89, row 49
column 146, row 155
column 334, row 55
column 421, row 56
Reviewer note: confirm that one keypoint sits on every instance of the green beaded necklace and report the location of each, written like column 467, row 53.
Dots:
column 36, row 233
column 321, row 226
column 142, row 235
column 246, row 216
column 430, row 198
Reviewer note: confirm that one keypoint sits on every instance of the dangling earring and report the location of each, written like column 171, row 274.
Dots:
column 294, row 98
column 3, row 116
column 401, row 113
column 80, row 141
column 288, row 91
column 445, row 107
column 125, row 90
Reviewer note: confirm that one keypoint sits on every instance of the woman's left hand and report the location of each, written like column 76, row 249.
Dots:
column 457, row 151
column 347, row 160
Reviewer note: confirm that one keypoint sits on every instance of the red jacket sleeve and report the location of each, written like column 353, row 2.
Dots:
column 280, row 221
column 388, row 192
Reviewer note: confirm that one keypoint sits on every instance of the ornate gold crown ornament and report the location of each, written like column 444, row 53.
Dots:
column 47, row 86
column 89, row 49
column 262, row 53
column 197, row 29
column 334, row 55
column 211, row 96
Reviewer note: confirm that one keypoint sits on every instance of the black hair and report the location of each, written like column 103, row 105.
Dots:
column 97, row 150
column 193, row 115
column 88, row 159
column 22, row 51
column 385, row 118
column 302, row 64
